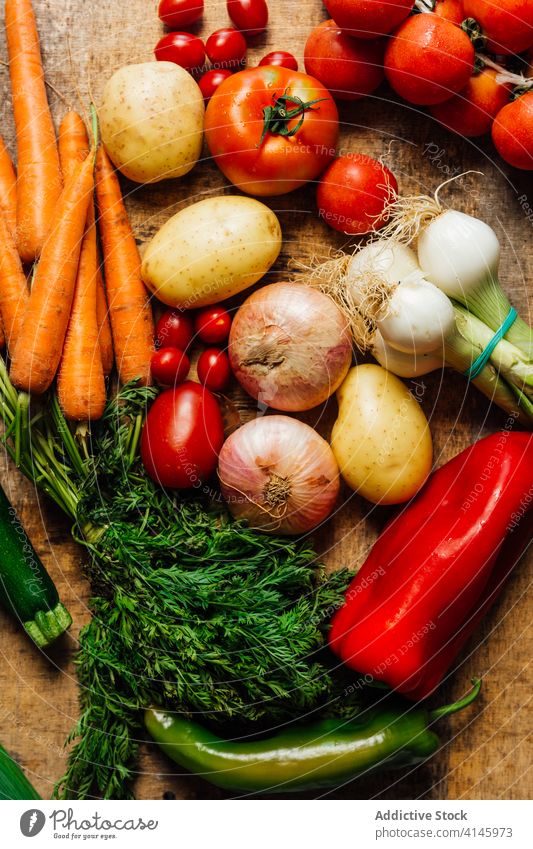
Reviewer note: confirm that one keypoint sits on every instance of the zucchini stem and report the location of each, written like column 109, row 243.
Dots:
column 48, row 625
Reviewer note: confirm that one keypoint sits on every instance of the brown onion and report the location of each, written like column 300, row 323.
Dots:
column 279, row 475
column 290, row 347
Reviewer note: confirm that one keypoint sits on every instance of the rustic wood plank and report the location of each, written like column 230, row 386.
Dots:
column 484, row 754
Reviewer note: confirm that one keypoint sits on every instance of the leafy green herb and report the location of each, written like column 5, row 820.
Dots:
column 191, row 611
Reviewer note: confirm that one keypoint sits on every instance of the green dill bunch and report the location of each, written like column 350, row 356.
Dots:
column 191, row 611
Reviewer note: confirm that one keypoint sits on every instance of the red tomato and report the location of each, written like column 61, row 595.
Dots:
column 213, row 325
column 182, row 437
column 508, row 24
column 235, row 122
column 169, row 366
column 428, row 59
column 183, row 49
column 471, row 112
column 512, row 132
column 452, row 10
column 226, row 48
column 214, row 369
column 249, row 15
column 350, row 68
column 211, row 81
column 174, row 330
column 180, row 13
column 280, row 59
column 353, row 193
column 368, row 18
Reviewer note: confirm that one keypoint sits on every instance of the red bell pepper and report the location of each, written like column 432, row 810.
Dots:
column 438, row 566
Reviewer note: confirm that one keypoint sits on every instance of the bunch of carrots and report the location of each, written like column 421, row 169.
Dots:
column 65, row 322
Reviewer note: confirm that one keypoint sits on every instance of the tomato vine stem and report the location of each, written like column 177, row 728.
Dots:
column 278, row 116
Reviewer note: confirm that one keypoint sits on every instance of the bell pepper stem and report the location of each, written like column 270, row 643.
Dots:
column 446, row 710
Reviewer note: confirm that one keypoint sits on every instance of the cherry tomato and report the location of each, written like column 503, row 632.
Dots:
column 512, row 132
column 213, row 325
column 471, row 112
column 508, row 24
column 211, row 81
column 368, row 18
column 226, row 48
column 452, row 10
column 174, row 330
column 350, row 68
column 272, row 164
column 183, row 49
column 214, row 369
column 180, row 13
column 169, row 366
column 428, row 59
column 182, row 436
column 280, row 59
column 353, row 193
column 248, row 15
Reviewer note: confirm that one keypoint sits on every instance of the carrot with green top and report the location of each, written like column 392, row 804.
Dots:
column 39, row 176
column 13, row 286
column 40, row 344
column 129, row 306
column 8, row 188
column 104, row 327
column 80, row 383
column 73, row 144
column 73, row 147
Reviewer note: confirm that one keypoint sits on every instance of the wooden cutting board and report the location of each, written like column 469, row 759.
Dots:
column 485, row 753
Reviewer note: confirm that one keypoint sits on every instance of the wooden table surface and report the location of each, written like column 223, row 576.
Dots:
column 485, row 752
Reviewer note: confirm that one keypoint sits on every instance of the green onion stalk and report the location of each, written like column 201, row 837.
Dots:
column 190, row 610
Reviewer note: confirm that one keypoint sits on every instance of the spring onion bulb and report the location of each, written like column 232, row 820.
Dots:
column 418, row 318
column 461, row 255
column 402, row 364
column 393, row 261
column 412, row 327
column 415, row 316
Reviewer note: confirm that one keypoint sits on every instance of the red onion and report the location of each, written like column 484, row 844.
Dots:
column 279, row 475
column 290, row 347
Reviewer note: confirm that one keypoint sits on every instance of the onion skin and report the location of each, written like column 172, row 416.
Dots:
column 290, row 346
column 279, row 475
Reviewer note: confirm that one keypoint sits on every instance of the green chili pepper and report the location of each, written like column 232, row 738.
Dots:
column 305, row 757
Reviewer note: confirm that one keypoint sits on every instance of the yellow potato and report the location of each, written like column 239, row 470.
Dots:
column 381, row 439
column 152, row 121
column 211, row 250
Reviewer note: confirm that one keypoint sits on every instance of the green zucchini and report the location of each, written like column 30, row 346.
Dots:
column 13, row 782
column 26, row 588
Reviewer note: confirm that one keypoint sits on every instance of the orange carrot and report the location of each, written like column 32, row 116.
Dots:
column 80, row 383
column 8, row 188
column 13, row 286
column 73, row 144
column 2, row 338
column 73, row 147
column 129, row 306
column 104, row 328
column 40, row 343
column 39, row 175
